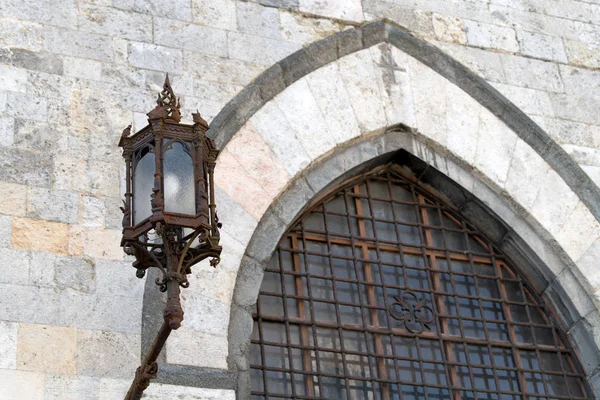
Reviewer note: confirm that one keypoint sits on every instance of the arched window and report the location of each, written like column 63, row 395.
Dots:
column 382, row 291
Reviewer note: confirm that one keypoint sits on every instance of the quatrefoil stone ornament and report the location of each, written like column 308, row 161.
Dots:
column 413, row 313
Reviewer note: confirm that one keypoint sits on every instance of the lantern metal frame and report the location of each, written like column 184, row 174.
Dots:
column 169, row 241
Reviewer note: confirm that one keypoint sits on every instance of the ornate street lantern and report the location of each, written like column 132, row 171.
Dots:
column 169, row 222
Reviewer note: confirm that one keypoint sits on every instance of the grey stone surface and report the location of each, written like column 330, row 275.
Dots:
column 75, row 273
column 415, row 20
column 270, row 82
column 26, row 304
column 125, row 24
column 247, row 283
column 79, row 44
column 293, row 200
column 279, row 3
column 52, row 205
column 542, row 46
column 107, row 354
column 257, row 20
column 236, row 221
column 258, row 50
column 265, row 237
column 178, row 34
column 26, row 106
column 155, row 57
column 240, row 329
column 36, row 61
column 176, row 9
column 537, row 273
column 582, row 337
column 25, row 167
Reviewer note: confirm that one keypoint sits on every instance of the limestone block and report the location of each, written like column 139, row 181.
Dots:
column 330, row 94
column 45, row 348
column 113, row 388
column 117, row 278
column 216, row 69
column 23, row 34
column 58, row 13
column 578, row 232
column 217, row 13
column 571, row 283
column 495, row 148
column 216, row 91
column 589, row 266
column 3, row 97
column 484, row 63
column 31, row 60
column 8, row 345
column 42, row 269
column 296, row 28
column 104, row 178
column 13, row 79
column 584, row 155
column 242, row 188
column 24, row 167
column 15, row 266
column 583, row 54
column 151, row 56
column 275, row 129
column 554, row 203
column 301, row 110
column 119, row 23
column 25, row 106
column 178, row 34
column 460, row 175
column 182, row 342
column 207, row 315
column 70, row 173
column 21, row 385
column 578, row 108
column 449, row 29
column 233, row 251
column 394, row 84
column 7, row 131
column 98, row 243
column 429, row 92
column 32, row 234
column 534, row 74
column 29, row 304
column 414, row 19
column 83, row 68
column 75, row 273
column 52, row 205
column 251, row 151
column 524, row 174
column 236, row 221
column 462, row 122
column 90, row 311
column 530, row 101
column 349, row 10
column 542, row 46
column 177, row 9
column 68, row 387
column 570, row 132
column 491, row 36
column 78, row 44
column 93, row 211
column 13, row 201
column 258, row 20
column 580, row 81
column 359, row 78
column 258, row 50
column 107, row 354
column 159, row 392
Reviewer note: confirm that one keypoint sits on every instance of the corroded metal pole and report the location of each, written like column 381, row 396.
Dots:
column 173, row 316
column 149, row 367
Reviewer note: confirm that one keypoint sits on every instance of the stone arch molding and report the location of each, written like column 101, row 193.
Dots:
column 327, row 109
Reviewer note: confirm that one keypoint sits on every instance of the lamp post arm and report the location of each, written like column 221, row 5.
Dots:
column 149, row 368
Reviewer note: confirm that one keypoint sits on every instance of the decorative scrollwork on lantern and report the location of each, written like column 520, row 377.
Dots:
column 413, row 313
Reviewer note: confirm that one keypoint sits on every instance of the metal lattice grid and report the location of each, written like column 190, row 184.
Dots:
column 381, row 291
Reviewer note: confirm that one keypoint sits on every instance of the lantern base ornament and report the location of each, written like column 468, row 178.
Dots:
column 169, row 214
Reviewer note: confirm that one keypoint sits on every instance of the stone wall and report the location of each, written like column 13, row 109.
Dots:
column 74, row 74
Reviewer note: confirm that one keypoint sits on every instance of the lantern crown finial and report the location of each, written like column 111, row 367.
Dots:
column 167, row 104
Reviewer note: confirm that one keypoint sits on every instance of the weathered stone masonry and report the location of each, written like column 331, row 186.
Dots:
column 498, row 96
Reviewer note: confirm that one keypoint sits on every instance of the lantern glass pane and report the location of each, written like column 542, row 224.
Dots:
column 179, row 180
column 143, row 182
